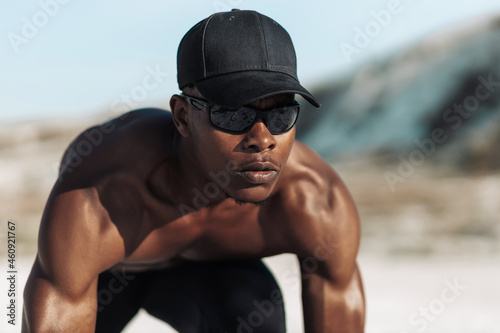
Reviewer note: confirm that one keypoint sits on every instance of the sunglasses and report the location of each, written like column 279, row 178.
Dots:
column 241, row 119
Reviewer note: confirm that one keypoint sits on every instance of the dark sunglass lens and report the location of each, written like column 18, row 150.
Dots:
column 233, row 120
column 282, row 119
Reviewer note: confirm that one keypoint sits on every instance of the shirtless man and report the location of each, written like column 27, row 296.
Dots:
column 172, row 212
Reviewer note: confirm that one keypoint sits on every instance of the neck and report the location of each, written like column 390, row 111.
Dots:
column 191, row 179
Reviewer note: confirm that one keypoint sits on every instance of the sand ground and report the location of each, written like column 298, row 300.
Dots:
column 395, row 289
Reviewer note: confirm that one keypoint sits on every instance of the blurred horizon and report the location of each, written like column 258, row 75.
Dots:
column 81, row 59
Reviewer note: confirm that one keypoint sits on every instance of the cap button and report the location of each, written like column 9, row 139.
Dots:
column 234, row 9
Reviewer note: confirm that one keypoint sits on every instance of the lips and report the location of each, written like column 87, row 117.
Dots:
column 258, row 172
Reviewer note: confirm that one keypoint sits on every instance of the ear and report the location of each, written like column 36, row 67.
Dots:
column 181, row 115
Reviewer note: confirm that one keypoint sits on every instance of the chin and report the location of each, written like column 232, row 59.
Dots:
column 257, row 195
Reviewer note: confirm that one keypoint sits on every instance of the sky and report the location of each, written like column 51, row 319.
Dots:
column 68, row 58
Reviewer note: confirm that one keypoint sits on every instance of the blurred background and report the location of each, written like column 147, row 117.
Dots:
column 410, row 94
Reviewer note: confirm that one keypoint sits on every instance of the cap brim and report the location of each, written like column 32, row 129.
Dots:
column 242, row 88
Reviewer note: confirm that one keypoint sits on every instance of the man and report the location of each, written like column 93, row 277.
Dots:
column 173, row 212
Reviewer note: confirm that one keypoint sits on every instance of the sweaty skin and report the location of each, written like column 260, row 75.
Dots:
column 162, row 188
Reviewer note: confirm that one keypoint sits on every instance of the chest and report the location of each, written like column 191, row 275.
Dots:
column 228, row 233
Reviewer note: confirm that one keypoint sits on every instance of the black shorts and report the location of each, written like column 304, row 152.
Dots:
column 224, row 296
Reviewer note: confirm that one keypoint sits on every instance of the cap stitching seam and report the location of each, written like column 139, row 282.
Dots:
column 203, row 46
column 264, row 37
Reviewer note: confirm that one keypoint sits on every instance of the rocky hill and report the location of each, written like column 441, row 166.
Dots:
column 444, row 91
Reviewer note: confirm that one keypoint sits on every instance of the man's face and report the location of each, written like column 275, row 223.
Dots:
column 253, row 160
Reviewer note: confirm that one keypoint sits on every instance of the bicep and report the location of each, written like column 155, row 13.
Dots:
column 330, row 240
column 70, row 240
column 71, row 254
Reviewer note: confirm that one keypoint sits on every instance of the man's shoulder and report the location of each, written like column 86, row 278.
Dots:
column 306, row 171
column 310, row 189
column 135, row 127
column 313, row 202
column 105, row 170
column 134, row 141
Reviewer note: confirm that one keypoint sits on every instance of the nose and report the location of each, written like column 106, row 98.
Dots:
column 258, row 138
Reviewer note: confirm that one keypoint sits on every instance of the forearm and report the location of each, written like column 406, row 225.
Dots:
column 48, row 321
column 332, row 308
column 46, row 309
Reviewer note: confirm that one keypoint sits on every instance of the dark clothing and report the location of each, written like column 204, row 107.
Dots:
column 217, row 296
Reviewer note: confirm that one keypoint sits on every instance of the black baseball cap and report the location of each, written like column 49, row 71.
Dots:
column 237, row 57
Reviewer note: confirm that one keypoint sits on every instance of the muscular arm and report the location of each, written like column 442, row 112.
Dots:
column 332, row 291
column 326, row 237
column 73, row 248
column 79, row 237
